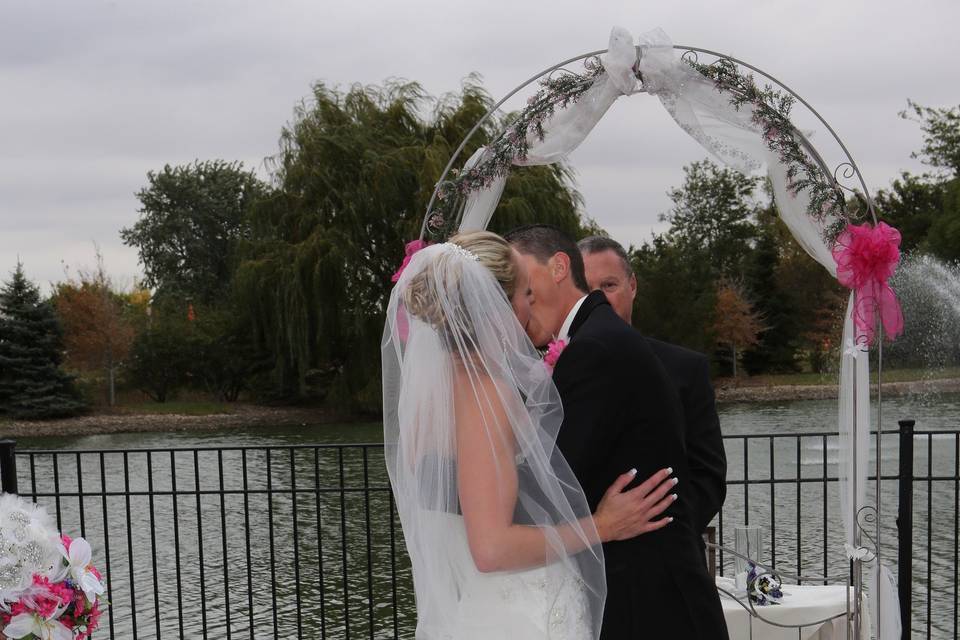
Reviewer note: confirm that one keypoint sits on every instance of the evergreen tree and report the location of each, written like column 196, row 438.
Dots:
column 775, row 351
column 676, row 294
column 32, row 385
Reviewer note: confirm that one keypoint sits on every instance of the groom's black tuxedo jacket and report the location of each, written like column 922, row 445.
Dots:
column 707, row 461
column 622, row 411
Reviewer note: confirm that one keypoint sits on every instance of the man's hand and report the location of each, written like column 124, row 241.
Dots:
column 622, row 515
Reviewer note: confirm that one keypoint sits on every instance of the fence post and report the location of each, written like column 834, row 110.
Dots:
column 905, row 528
column 8, row 466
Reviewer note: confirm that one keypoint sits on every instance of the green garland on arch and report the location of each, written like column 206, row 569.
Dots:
column 555, row 93
column 771, row 113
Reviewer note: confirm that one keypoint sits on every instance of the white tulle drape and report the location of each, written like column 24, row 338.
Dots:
column 565, row 130
column 729, row 135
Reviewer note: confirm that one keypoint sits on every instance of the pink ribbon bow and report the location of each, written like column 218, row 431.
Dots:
column 403, row 324
column 866, row 259
column 411, row 248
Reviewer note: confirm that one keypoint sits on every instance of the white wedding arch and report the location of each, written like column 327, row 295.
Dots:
column 748, row 127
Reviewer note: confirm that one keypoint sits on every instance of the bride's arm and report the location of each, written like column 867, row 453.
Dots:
column 488, row 486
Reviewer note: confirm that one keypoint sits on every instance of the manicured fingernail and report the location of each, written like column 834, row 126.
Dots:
column 669, row 470
column 675, row 496
column 632, row 472
column 676, row 481
column 669, row 519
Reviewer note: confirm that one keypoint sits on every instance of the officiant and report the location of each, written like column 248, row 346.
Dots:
column 608, row 269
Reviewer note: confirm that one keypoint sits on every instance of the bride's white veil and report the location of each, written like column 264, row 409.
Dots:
column 451, row 332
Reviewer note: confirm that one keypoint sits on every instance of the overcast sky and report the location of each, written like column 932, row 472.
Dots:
column 94, row 94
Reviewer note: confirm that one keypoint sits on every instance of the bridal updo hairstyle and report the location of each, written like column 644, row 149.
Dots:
column 493, row 252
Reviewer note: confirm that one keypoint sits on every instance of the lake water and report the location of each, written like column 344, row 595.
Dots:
column 272, row 545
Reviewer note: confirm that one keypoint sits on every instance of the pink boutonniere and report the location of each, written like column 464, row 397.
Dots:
column 554, row 349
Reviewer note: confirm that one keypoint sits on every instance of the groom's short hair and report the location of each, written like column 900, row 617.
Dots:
column 542, row 241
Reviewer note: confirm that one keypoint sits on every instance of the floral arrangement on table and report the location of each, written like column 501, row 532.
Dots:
column 49, row 590
column 763, row 587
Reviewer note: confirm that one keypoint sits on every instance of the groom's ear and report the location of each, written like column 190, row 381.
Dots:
column 560, row 266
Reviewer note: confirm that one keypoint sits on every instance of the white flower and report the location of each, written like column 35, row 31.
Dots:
column 28, row 545
column 25, row 624
column 78, row 560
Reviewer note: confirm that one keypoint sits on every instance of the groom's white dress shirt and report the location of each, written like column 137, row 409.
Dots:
column 565, row 327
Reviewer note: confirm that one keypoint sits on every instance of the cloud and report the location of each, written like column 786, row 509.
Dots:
column 98, row 93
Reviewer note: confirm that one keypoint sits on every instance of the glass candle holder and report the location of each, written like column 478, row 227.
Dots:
column 748, row 541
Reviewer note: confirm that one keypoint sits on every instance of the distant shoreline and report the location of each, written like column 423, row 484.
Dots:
column 771, row 393
column 239, row 416
column 248, row 415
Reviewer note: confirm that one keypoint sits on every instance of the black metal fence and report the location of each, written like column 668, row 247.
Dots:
column 304, row 541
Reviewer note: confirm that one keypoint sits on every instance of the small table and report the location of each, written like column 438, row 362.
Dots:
column 801, row 603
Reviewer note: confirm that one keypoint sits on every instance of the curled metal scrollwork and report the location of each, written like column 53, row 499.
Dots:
column 846, row 171
column 866, row 521
column 561, row 71
column 592, row 63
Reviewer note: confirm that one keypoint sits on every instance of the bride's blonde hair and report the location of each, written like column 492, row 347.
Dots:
column 492, row 251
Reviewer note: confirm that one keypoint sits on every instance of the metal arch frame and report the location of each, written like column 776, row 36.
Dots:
column 849, row 169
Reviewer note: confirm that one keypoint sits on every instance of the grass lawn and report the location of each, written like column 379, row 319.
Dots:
column 892, row 375
column 184, row 407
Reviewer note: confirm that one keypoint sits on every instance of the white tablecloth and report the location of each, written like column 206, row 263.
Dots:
column 801, row 603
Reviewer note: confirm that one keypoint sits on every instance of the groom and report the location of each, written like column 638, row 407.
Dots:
column 620, row 412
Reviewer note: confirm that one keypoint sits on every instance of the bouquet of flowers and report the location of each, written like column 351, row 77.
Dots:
column 763, row 588
column 49, row 590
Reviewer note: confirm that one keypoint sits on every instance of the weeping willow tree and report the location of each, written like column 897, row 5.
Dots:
column 352, row 180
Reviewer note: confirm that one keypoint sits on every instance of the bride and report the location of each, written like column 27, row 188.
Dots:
column 500, row 537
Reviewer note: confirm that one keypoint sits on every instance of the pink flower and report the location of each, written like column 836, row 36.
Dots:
column 866, row 259
column 411, row 248
column 554, row 349
column 66, row 541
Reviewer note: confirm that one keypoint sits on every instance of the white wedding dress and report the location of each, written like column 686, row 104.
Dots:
column 533, row 604
column 451, row 332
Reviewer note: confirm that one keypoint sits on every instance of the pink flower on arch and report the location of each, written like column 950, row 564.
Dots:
column 409, row 250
